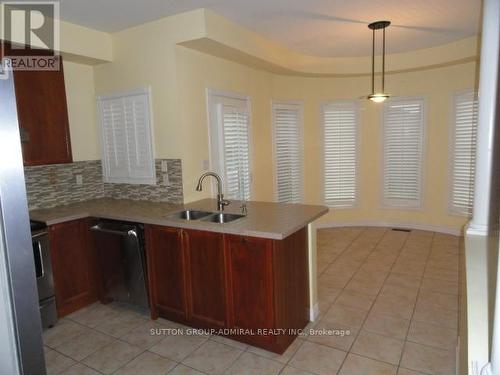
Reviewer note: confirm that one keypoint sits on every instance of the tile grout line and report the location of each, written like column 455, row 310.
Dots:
column 378, row 294
column 333, row 261
column 361, row 265
column 416, row 300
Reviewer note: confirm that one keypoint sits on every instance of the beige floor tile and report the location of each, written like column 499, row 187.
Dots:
column 318, row 359
column 289, row 370
column 404, row 371
column 282, row 358
column 441, row 273
column 85, row 344
column 386, row 325
column 147, row 364
column 399, row 293
column 428, row 360
column 178, row 347
column 146, row 335
column 120, row 325
column 184, row 370
column 438, row 300
column 64, row 330
column 333, row 280
column 228, row 341
column 327, row 294
column 445, row 318
column 112, row 356
column 407, row 281
column 439, row 286
column 374, row 277
column 79, row 369
column 212, row 357
column 381, row 348
column 252, row 364
column 432, row 335
column 357, row 365
column 391, row 306
column 355, row 299
column 363, row 286
column 56, row 362
column 93, row 315
column 349, row 316
column 335, row 335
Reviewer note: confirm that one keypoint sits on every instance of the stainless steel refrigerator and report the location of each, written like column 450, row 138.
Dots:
column 21, row 348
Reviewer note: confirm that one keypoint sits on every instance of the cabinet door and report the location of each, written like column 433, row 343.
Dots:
column 43, row 117
column 73, row 266
column 42, row 112
column 166, row 272
column 250, row 285
column 206, row 278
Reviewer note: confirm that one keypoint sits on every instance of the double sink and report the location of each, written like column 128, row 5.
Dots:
column 213, row 217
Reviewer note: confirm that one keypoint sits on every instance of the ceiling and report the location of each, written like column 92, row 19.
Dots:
column 313, row 27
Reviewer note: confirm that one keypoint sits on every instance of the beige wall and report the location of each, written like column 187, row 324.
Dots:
column 179, row 77
column 80, row 94
column 437, row 86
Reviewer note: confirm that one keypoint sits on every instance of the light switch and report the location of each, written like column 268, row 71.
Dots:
column 79, row 179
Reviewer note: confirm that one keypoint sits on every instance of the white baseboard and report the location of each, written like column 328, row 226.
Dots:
column 314, row 313
column 369, row 223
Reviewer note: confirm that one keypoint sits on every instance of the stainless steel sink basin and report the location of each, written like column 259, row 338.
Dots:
column 191, row 214
column 222, row 218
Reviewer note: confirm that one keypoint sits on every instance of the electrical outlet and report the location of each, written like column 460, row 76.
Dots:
column 79, row 179
column 166, row 181
column 164, row 166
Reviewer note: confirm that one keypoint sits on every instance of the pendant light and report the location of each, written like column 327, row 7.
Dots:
column 378, row 97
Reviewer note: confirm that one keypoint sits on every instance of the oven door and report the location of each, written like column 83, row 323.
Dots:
column 43, row 265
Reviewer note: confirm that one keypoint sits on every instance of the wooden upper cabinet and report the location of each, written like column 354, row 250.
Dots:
column 206, row 278
column 166, row 272
column 73, row 266
column 43, row 115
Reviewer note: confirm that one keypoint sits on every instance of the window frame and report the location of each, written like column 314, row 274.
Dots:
column 384, row 204
column 147, row 91
column 357, row 108
column 451, row 149
column 215, row 141
column 300, row 107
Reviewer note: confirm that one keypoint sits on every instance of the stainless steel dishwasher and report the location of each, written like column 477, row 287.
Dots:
column 122, row 262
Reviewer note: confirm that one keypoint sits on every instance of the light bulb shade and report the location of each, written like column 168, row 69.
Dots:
column 378, row 97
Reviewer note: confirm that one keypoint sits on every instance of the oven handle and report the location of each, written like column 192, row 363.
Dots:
column 98, row 228
column 41, row 259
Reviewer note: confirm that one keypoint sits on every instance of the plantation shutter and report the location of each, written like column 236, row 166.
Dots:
column 236, row 151
column 127, row 138
column 403, row 129
column 288, row 152
column 340, row 148
column 463, row 152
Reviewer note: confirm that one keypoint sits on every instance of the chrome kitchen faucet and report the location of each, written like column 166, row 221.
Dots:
column 221, row 202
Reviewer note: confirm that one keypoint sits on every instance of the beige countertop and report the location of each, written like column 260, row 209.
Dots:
column 263, row 219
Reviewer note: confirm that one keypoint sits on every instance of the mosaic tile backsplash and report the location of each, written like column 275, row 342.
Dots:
column 54, row 185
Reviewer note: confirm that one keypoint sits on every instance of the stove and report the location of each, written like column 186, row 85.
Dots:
column 43, row 270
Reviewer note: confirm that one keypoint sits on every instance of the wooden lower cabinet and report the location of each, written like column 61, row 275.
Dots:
column 206, row 279
column 166, row 272
column 246, row 284
column 268, row 289
column 73, row 266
